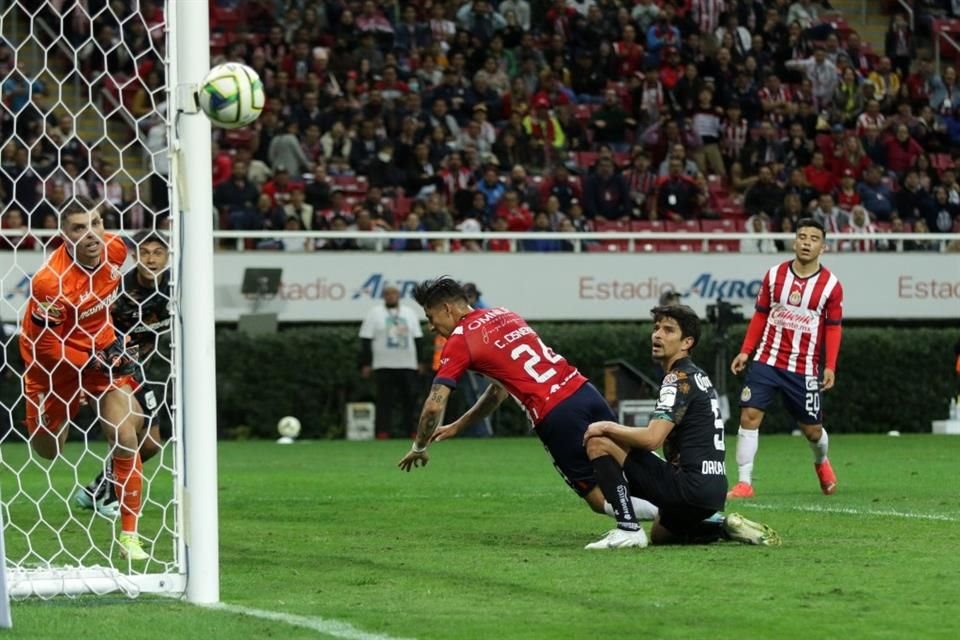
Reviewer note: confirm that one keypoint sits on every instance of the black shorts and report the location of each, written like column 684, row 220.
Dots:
column 561, row 433
column 801, row 394
column 155, row 402
column 684, row 499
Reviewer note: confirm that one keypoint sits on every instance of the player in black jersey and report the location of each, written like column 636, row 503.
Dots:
column 141, row 314
column 690, row 486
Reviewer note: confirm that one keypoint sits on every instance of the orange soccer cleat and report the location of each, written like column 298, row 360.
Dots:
column 741, row 490
column 828, row 479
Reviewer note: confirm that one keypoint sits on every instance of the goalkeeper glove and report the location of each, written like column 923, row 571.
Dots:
column 116, row 359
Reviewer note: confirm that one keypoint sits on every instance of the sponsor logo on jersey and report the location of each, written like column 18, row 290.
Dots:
column 803, row 320
column 668, row 397
column 745, row 395
column 50, row 309
column 98, row 307
column 671, row 378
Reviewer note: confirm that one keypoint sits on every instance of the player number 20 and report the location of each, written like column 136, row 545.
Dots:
column 812, row 403
column 533, row 359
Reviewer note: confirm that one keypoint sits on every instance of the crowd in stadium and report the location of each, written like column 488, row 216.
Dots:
column 554, row 115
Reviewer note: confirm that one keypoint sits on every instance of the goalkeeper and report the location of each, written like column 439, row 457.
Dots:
column 142, row 315
column 71, row 351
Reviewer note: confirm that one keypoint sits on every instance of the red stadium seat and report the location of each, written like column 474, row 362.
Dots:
column 718, row 226
column 611, row 225
column 645, row 246
column 687, row 226
column 647, row 225
column 608, row 246
column 585, row 159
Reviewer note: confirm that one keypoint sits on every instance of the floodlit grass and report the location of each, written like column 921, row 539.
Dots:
column 486, row 542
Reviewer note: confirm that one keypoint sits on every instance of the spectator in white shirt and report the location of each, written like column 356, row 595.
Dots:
column 822, row 73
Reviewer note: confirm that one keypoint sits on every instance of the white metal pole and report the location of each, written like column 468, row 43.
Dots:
column 199, row 402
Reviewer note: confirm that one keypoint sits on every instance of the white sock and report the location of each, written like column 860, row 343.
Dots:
column 819, row 447
column 747, row 442
column 641, row 508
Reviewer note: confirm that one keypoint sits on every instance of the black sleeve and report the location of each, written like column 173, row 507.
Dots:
column 366, row 352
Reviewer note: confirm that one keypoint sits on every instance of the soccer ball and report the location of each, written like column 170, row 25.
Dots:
column 288, row 427
column 231, row 95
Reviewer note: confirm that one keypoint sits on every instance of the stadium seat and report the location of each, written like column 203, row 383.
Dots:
column 647, row 225
column 687, row 226
column 608, row 246
column 645, row 247
column 732, row 211
column 611, row 225
column 586, row 159
column 718, row 226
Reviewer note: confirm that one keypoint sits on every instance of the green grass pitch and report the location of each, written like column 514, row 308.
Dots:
column 486, row 542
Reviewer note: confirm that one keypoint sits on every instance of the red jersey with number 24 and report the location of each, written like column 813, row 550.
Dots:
column 500, row 345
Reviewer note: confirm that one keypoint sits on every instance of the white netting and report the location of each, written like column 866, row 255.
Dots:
column 82, row 114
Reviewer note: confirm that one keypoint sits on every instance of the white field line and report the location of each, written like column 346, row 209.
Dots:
column 326, row 626
column 850, row 511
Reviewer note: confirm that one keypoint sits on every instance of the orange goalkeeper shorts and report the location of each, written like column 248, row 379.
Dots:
column 54, row 398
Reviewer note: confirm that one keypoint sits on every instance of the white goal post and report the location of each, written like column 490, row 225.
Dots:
column 53, row 548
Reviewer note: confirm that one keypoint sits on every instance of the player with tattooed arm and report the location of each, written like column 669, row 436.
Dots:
column 559, row 401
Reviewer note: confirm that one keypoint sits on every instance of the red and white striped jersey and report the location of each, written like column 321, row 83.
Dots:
column 783, row 94
column 798, row 309
column 706, row 14
column 734, row 137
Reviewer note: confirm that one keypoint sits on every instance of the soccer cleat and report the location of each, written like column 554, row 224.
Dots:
column 828, row 479
column 131, row 547
column 619, row 539
column 740, row 490
column 106, row 505
column 749, row 532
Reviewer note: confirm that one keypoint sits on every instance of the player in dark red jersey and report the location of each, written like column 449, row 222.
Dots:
column 559, row 401
column 688, row 486
column 798, row 314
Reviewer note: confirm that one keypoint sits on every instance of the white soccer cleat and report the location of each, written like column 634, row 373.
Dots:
column 620, row 539
column 749, row 532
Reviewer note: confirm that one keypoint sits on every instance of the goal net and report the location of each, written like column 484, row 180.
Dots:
column 84, row 115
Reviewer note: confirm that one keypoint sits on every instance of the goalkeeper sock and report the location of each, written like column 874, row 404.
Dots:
column 614, row 488
column 129, row 472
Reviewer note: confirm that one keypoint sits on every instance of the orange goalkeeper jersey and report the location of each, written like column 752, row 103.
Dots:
column 68, row 315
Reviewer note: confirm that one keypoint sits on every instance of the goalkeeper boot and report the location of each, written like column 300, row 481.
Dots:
column 131, row 547
column 828, row 479
column 620, row 539
column 746, row 531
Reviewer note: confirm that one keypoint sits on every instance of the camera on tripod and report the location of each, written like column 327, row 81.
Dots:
column 723, row 314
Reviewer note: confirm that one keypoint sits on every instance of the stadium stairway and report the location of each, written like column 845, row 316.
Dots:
column 102, row 129
column 872, row 25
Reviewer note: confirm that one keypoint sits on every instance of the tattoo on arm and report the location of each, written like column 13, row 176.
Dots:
column 487, row 403
column 432, row 414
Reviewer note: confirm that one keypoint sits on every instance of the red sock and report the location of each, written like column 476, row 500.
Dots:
column 129, row 473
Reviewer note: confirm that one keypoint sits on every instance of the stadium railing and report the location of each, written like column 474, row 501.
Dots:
column 582, row 242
